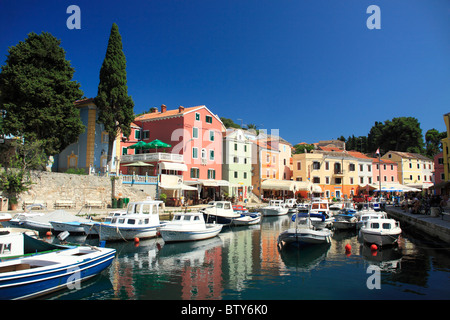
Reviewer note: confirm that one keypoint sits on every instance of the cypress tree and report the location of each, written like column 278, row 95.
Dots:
column 115, row 106
column 38, row 94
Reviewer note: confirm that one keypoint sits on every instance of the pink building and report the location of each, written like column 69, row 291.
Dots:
column 387, row 171
column 439, row 178
column 195, row 155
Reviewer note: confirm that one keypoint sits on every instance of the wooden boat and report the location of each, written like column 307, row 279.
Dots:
column 189, row 226
column 32, row 276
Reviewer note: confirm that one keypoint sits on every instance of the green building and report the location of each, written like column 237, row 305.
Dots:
column 237, row 164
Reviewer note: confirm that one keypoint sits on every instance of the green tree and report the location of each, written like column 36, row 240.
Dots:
column 228, row 123
column 433, row 144
column 303, row 148
column 38, row 94
column 115, row 106
column 15, row 178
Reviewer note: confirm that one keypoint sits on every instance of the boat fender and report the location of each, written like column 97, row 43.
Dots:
column 293, row 217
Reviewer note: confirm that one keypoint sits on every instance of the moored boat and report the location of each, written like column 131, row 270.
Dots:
column 381, row 232
column 219, row 212
column 304, row 233
column 32, row 276
column 141, row 221
column 275, row 208
column 189, row 226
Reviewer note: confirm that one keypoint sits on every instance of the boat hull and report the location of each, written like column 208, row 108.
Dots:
column 344, row 225
column 378, row 238
column 74, row 267
column 246, row 220
column 71, row 227
column 179, row 235
column 114, row 233
column 212, row 218
column 273, row 211
column 304, row 237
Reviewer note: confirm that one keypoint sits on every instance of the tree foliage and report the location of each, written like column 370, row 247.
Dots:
column 38, row 94
column 229, row 123
column 15, row 178
column 115, row 106
column 303, row 148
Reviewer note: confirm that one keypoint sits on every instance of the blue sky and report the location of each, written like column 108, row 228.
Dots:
column 311, row 69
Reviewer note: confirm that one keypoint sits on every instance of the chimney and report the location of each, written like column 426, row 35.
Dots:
column 180, row 109
column 163, row 108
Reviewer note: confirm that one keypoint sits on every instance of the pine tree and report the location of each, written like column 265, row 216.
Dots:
column 38, row 94
column 115, row 106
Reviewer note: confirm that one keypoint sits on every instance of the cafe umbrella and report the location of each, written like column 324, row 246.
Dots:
column 155, row 144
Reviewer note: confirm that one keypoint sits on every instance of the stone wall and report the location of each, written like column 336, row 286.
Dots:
column 52, row 186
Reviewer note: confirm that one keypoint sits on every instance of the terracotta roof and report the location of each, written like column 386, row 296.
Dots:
column 166, row 114
column 84, row 101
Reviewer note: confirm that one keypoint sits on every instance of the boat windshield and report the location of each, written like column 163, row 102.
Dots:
column 387, row 226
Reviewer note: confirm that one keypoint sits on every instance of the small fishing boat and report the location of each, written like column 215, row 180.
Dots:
column 39, row 274
column 91, row 228
column 275, row 208
column 303, row 233
column 320, row 214
column 189, row 226
column 345, row 220
column 141, row 221
column 219, row 212
column 247, row 219
column 17, row 220
column 381, row 232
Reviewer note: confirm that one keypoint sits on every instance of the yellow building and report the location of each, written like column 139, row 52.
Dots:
column 414, row 170
column 335, row 172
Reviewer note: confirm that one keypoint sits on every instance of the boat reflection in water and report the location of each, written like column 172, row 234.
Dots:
column 306, row 259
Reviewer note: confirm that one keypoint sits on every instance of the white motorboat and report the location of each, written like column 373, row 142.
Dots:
column 304, row 233
column 381, row 232
column 275, row 208
column 291, row 204
column 219, row 212
column 91, row 228
column 141, row 221
column 247, row 219
column 17, row 220
column 369, row 215
column 189, row 226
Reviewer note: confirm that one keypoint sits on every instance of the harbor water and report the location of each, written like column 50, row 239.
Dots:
column 245, row 263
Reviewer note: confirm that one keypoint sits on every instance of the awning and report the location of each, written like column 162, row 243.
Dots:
column 173, row 166
column 424, row 185
column 316, row 189
column 272, row 184
column 180, row 186
column 209, row 183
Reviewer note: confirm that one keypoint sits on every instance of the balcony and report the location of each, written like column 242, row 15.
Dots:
column 152, row 157
column 338, row 173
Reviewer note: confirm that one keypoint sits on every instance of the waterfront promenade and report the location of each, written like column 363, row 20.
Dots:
column 432, row 226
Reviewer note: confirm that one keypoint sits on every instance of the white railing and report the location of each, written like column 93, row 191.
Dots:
column 152, row 157
column 139, row 179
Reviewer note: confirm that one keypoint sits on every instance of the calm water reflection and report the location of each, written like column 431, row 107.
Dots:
column 245, row 263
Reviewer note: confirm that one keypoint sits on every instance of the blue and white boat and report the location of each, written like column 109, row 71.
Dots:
column 36, row 275
column 303, row 233
column 141, row 221
column 91, row 228
column 345, row 220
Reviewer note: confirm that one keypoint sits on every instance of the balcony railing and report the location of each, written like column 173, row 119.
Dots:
column 152, row 157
